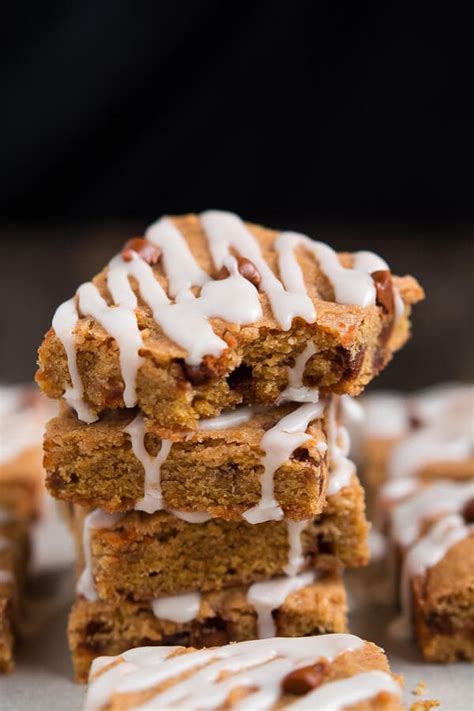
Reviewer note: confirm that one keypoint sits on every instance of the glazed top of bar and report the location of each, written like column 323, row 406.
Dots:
column 435, row 425
column 269, row 674
column 194, row 282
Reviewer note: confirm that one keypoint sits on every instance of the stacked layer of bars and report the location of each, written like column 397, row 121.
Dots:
column 22, row 417
column 200, row 445
column 418, row 454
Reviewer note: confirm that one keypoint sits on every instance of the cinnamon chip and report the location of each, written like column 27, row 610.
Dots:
column 301, row 681
column 246, row 268
column 146, row 250
column 384, row 290
column 468, row 511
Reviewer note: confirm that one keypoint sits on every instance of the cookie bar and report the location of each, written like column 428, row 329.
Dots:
column 431, row 533
column 423, row 436
column 208, row 312
column 335, row 671
column 221, row 470
column 14, row 549
column 305, row 605
column 138, row 556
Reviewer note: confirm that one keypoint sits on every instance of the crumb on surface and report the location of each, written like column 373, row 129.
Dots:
column 420, row 689
column 425, row 705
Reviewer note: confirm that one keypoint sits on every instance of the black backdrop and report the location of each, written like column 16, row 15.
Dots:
column 130, row 108
column 337, row 119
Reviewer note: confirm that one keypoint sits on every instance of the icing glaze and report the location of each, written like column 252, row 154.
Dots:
column 338, row 695
column 152, row 499
column 21, row 423
column 295, row 546
column 94, row 520
column 341, row 469
column 259, row 665
column 296, row 391
column 225, row 231
column 228, row 420
column 64, row 322
column 442, row 497
column 177, row 608
column 278, row 444
column 270, row 595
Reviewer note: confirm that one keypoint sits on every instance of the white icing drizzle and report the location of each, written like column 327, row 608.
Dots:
column 425, row 446
column 94, row 520
column 152, row 499
column 442, row 497
column 341, row 469
column 386, row 415
column 21, row 424
column 377, row 545
column 338, row 695
column 296, row 391
column 295, row 546
column 270, row 595
column 278, row 444
column 177, row 608
column 370, row 262
column 191, row 516
column 64, row 323
column 119, row 320
column 259, row 665
column 228, row 420
column 452, row 401
column 181, row 268
column 351, row 286
column 395, row 489
column 225, row 231
column 425, row 554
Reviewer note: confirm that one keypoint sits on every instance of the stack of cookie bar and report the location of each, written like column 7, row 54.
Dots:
column 200, row 443
column 418, row 461
column 23, row 414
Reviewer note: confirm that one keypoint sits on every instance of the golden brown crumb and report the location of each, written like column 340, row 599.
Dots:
column 424, row 705
column 420, row 689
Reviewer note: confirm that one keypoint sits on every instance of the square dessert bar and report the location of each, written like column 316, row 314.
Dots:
column 442, row 596
column 335, row 671
column 432, row 536
column 14, row 549
column 223, row 469
column 137, row 556
column 208, row 312
column 423, row 436
column 307, row 604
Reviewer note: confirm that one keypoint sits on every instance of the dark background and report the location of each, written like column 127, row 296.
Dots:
column 348, row 122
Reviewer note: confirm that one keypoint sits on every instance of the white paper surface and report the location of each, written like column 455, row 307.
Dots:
column 43, row 677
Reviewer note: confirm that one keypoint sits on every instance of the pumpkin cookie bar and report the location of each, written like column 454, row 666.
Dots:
column 305, row 605
column 208, row 312
column 117, row 465
column 139, row 556
column 335, row 671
